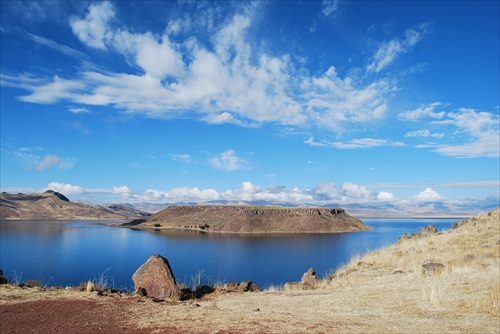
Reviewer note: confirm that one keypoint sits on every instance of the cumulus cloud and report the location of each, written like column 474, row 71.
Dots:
column 122, row 190
column 428, row 195
column 93, row 30
column 228, row 161
column 65, row 189
column 385, row 196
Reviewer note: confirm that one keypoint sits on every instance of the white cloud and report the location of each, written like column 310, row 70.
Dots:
column 386, row 196
column 428, row 195
column 423, row 112
column 228, row 161
column 93, row 30
column 65, row 189
column 329, row 7
column 423, row 133
column 180, row 157
column 389, row 51
column 122, row 190
column 27, row 157
column 56, row 46
column 80, row 110
column 356, row 143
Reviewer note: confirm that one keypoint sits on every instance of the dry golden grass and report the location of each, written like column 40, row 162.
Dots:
column 381, row 292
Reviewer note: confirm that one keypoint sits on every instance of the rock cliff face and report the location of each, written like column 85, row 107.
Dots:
column 253, row 219
column 52, row 205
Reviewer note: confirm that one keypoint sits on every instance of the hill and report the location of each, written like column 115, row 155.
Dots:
column 252, row 219
column 52, row 205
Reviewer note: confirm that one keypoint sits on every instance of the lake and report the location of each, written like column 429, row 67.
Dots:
column 65, row 253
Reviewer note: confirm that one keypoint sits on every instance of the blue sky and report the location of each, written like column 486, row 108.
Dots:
column 391, row 104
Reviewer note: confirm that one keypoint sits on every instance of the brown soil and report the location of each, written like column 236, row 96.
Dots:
column 72, row 316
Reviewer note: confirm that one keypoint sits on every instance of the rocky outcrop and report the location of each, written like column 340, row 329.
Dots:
column 155, row 278
column 253, row 219
column 309, row 281
column 424, row 232
column 52, row 205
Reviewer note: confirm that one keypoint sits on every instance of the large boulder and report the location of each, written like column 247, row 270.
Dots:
column 156, row 278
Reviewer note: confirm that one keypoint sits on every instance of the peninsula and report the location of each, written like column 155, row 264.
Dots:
column 251, row 219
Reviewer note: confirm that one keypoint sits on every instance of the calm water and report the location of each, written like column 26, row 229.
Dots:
column 68, row 252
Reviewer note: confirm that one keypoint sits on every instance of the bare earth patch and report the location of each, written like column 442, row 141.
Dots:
column 381, row 292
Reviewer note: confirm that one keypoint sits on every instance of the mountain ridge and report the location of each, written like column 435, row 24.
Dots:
column 52, row 205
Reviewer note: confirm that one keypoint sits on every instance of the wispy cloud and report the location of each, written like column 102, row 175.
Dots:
column 355, row 143
column 390, row 50
column 34, row 159
column 181, row 157
column 56, row 46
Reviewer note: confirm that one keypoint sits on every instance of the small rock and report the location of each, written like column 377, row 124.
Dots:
column 469, row 257
column 310, row 277
column 398, row 272
column 231, row 286
column 248, row 287
column 256, row 310
column 203, row 290
column 432, row 268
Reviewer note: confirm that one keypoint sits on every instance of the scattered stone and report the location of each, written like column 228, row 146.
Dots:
column 256, row 310
column 398, row 272
column 309, row 277
column 248, row 287
column 203, row 290
column 97, row 293
column 432, row 268
column 156, row 277
column 469, row 257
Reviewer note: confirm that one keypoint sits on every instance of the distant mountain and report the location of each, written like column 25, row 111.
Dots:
column 52, row 205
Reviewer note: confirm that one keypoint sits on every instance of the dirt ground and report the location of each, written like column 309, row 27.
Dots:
column 71, row 314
